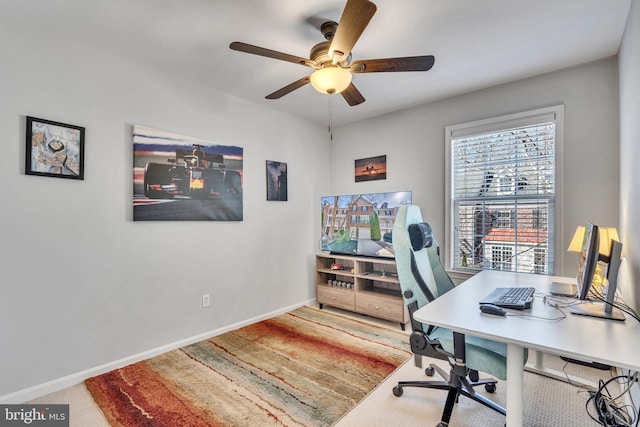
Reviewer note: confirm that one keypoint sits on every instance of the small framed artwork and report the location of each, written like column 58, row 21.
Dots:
column 54, row 149
column 276, row 181
column 371, row 168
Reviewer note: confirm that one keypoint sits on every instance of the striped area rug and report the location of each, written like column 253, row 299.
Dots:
column 308, row 367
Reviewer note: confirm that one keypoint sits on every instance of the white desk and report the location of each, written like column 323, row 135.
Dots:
column 591, row 339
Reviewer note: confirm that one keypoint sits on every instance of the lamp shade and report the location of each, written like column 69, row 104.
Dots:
column 330, row 79
column 576, row 241
column 605, row 235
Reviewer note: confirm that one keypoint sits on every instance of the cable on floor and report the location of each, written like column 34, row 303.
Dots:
column 608, row 409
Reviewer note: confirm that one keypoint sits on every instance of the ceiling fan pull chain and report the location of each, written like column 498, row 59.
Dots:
column 331, row 117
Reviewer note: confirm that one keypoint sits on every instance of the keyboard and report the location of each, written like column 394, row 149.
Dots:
column 518, row 298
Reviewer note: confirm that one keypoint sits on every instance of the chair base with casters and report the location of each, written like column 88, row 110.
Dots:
column 460, row 381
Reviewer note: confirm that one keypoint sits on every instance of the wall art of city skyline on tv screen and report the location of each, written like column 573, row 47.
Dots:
column 361, row 224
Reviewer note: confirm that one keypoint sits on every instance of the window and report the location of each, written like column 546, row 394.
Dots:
column 501, row 257
column 501, row 182
column 540, row 219
column 503, row 219
column 540, row 261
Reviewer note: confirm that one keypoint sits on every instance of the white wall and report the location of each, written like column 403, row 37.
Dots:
column 82, row 284
column 413, row 141
column 629, row 65
column 630, row 158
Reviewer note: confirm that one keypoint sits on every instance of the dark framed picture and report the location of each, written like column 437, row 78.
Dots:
column 54, row 149
column 371, row 168
column 276, row 181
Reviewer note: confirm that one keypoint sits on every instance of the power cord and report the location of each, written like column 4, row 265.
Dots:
column 555, row 305
column 559, row 301
column 617, row 303
column 607, row 409
column 594, row 294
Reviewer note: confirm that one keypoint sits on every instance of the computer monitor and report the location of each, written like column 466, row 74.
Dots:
column 588, row 260
column 606, row 310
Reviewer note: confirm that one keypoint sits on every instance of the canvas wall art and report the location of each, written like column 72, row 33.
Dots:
column 371, row 168
column 182, row 178
column 276, row 181
column 54, row 149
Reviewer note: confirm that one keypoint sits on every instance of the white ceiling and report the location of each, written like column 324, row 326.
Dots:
column 476, row 44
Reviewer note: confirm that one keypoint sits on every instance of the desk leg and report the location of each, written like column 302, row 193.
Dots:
column 515, row 375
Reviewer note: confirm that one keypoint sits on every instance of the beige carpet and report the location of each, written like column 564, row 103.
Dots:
column 547, row 402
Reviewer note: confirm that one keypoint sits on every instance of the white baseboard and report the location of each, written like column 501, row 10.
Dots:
column 58, row 384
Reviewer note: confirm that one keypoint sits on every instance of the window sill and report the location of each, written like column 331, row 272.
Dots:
column 458, row 276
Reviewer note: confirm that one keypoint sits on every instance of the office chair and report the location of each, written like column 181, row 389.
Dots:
column 422, row 279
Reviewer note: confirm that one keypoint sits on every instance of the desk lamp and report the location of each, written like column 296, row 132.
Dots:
column 606, row 234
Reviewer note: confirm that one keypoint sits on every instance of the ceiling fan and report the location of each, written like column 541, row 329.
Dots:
column 332, row 58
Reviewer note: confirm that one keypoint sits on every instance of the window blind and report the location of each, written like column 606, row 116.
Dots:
column 503, row 197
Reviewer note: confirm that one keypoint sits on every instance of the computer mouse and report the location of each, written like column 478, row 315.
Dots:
column 492, row 309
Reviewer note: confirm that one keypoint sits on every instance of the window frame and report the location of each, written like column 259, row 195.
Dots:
column 497, row 124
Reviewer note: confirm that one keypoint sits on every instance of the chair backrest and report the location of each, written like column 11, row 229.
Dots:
column 443, row 281
column 427, row 261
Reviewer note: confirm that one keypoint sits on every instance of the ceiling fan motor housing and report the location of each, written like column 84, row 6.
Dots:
column 320, row 55
column 320, row 52
column 328, row 29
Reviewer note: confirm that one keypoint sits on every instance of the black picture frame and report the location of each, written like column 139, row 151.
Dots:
column 54, row 149
column 277, row 187
column 371, row 168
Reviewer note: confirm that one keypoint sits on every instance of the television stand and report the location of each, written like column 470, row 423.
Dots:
column 364, row 285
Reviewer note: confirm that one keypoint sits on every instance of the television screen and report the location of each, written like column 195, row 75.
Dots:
column 361, row 224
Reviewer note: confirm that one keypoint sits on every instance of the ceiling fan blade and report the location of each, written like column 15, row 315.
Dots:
column 352, row 95
column 355, row 18
column 256, row 50
column 408, row 63
column 288, row 88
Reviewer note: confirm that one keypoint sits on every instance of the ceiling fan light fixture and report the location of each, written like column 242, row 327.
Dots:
column 331, row 79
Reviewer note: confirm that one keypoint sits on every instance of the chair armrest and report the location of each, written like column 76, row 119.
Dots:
column 423, row 345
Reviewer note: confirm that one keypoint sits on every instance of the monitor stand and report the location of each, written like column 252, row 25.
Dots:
column 597, row 310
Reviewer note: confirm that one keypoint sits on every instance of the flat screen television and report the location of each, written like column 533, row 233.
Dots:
column 361, row 224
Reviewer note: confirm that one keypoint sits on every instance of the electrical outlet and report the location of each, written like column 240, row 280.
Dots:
column 205, row 300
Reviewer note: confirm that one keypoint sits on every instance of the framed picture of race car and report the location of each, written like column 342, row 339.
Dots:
column 183, row 178
column 54, row 149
